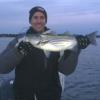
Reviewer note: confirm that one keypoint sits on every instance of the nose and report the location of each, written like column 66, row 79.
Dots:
column 39, row 20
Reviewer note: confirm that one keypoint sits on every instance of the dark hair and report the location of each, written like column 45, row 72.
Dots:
column 37, row 9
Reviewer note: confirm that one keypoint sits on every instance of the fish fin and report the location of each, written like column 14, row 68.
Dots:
column 61, row 55
column 49, row 32
column 66, row 33
column 92, row 37
column 47, row 53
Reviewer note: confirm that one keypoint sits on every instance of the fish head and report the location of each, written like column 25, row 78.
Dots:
column 33, row 39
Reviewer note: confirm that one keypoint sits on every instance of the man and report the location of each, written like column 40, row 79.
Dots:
column 35, row 73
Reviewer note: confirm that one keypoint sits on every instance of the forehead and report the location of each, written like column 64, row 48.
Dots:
column 38, row 14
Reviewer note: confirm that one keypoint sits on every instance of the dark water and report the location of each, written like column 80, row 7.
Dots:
column 84, row 83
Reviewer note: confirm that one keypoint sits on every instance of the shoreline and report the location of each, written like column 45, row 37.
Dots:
column 15, row 35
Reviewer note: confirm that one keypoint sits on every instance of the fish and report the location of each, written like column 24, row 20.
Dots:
column 49, row 41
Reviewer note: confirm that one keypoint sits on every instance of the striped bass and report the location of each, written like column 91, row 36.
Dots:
column 48, row 41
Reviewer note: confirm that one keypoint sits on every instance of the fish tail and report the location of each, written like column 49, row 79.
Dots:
column 92, row 38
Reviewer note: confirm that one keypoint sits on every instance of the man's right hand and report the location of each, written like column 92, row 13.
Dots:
column 24, row 47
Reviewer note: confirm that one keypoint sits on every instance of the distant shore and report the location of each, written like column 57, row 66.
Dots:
column 9, row 35
column 15, row 35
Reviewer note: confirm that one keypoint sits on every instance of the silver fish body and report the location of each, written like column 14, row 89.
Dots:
column 53, row 42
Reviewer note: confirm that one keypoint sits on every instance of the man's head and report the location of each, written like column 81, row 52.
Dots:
column 38, row 18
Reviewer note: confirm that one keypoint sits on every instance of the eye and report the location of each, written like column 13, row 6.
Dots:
column 35, row 17
column 42, row 17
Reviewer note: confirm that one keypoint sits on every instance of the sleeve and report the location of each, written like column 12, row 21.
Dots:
column 68, row 62
column 10, row 57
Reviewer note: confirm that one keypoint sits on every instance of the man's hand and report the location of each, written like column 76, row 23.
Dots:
column 24, row 47
column 83, row 41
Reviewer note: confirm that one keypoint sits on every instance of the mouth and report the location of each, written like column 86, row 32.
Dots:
column 39, row 25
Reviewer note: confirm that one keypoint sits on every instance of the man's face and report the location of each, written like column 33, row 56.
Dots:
column 38, row 21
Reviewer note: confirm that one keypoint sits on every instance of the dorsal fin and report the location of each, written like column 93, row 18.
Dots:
column 65, row 34
column 49, row 32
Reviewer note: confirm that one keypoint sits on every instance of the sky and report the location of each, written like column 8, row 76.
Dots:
column 75, row 16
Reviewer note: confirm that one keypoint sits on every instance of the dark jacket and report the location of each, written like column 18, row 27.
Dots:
column 36, row 69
